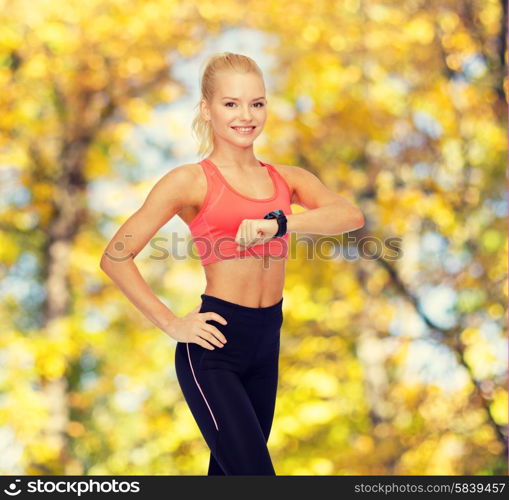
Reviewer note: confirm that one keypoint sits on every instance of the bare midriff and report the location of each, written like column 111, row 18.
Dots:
column 250, row 281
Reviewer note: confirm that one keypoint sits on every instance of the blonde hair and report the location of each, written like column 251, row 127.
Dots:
column 221, row 61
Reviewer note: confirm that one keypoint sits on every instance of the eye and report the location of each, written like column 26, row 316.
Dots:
column 231, row 102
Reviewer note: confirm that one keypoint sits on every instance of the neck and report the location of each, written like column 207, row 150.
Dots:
column 241, row 158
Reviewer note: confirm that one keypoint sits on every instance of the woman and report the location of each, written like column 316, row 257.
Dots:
column 238, row 211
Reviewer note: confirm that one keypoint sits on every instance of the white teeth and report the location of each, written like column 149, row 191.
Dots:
column 243, row 129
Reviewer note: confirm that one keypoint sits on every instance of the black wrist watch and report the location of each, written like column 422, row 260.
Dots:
column 281, row 222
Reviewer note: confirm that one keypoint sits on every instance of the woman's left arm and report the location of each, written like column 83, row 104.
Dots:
column 328, row 212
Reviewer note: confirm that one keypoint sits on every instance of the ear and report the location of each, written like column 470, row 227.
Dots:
column 204, row 110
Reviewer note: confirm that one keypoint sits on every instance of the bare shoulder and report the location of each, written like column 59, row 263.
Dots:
column 292, row 170
column 174, row 192
column 293, row 175
column 183, row 182
column 182, row 174
column 195, row 180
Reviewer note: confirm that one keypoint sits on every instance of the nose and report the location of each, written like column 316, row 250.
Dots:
column 245, row 113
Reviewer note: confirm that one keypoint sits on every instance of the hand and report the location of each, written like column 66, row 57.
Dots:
column 255, row 231
column 193, row 328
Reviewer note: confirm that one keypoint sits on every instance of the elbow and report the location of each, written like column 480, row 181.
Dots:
column 358, row 220
column 361, row 220
column 104, row 262
column 107, row 261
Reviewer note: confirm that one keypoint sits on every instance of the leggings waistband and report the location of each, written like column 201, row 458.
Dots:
column 254, row 312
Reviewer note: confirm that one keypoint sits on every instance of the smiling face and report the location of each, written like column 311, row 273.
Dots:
column 238, row 101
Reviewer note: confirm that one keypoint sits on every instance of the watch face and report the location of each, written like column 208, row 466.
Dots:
column 274, row 214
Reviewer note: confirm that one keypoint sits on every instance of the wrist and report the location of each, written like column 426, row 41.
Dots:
column 281, row 221
column 169, row 325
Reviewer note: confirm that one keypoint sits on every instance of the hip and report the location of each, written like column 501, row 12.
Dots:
column 252, row 334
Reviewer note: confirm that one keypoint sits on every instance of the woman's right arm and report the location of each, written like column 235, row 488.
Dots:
column 168, row 196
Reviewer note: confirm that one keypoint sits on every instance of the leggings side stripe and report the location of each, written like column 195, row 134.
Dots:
column 194, row 376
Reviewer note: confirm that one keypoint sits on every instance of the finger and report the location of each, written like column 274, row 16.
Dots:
column 197, row 308
column 241, row 234
column 256, row 241
column 245, row 235
column 215, row 317
column 214, row 331
column 258, row 234
column 238, row 235
column 200, row 341
column 254, row 236
column 211, row 336
column 250, row 233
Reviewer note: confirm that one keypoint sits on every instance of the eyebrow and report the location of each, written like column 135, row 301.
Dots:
column 235, row 99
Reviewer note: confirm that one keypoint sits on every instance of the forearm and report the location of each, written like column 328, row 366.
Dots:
column 329, row 219
column 128, row 279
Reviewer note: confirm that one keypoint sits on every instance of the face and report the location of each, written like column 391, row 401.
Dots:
column 238, row 101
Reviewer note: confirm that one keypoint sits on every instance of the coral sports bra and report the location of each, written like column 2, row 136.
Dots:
column 215, row 226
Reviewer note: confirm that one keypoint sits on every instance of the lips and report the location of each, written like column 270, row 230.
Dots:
column 244, row 130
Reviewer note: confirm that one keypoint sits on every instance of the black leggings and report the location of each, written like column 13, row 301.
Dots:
column 231, row 390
